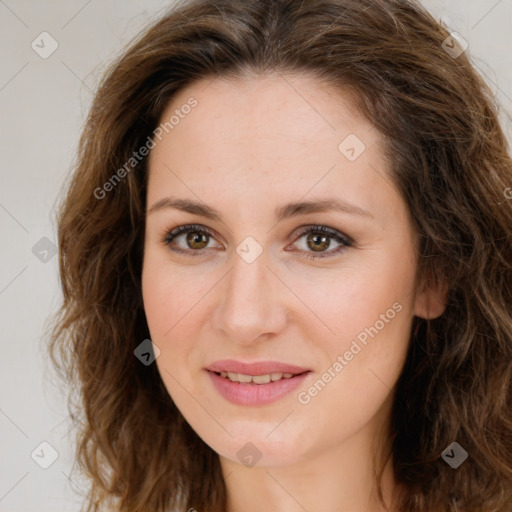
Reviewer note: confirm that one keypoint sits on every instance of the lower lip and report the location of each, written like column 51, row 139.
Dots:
column 255, row 394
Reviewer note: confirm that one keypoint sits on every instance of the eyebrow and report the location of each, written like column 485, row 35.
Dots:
column 286, row 211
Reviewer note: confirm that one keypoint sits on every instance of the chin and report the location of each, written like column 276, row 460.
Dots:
column 253, row 447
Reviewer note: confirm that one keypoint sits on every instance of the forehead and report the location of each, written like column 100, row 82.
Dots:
column 296, row 107
column 267, row 137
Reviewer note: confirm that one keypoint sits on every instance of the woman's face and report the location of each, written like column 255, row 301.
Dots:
column 273, row 162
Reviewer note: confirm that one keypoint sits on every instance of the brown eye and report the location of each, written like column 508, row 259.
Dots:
column 318, row 242
column 197, row 240
column 319, row 239
column 193, row 238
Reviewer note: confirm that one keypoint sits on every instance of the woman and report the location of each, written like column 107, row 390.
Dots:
column 286, row 263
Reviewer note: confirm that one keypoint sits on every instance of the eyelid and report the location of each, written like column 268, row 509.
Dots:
column 321, row 228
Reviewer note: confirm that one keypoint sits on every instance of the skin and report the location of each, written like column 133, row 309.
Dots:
column 250, row 146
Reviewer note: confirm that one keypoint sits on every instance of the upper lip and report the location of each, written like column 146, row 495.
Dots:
column 256, row 368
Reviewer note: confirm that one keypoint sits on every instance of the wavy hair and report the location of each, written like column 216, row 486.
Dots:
column 451, row 163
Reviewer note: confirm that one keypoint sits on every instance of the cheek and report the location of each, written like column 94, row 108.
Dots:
column 369, row 311
column 156, row 299
column 364, row 361
column 167, row 293
column 163, row 308
column 174, row 304
column 347, row 302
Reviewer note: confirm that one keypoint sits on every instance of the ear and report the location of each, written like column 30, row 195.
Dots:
column 431, row 299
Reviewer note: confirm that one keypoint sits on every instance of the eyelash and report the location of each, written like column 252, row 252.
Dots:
column 316, row 229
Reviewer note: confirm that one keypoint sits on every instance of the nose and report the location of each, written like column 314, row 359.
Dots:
column 251, row 302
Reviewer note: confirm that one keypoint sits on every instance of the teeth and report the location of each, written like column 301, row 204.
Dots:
column 256, row 379
column 242, row 378
column 261, row 379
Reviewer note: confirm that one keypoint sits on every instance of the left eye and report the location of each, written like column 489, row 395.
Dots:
column 318, row 240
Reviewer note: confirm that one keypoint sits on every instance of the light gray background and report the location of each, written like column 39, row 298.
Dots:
column 42, row 107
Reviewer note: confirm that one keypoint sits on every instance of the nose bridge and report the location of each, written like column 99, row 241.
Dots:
column 250, row 306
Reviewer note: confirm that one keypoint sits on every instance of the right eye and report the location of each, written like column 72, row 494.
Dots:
column 197, row 239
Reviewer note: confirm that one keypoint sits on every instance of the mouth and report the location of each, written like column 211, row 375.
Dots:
column 253, row 384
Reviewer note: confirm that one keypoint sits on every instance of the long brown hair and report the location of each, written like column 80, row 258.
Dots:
column 450, row 162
